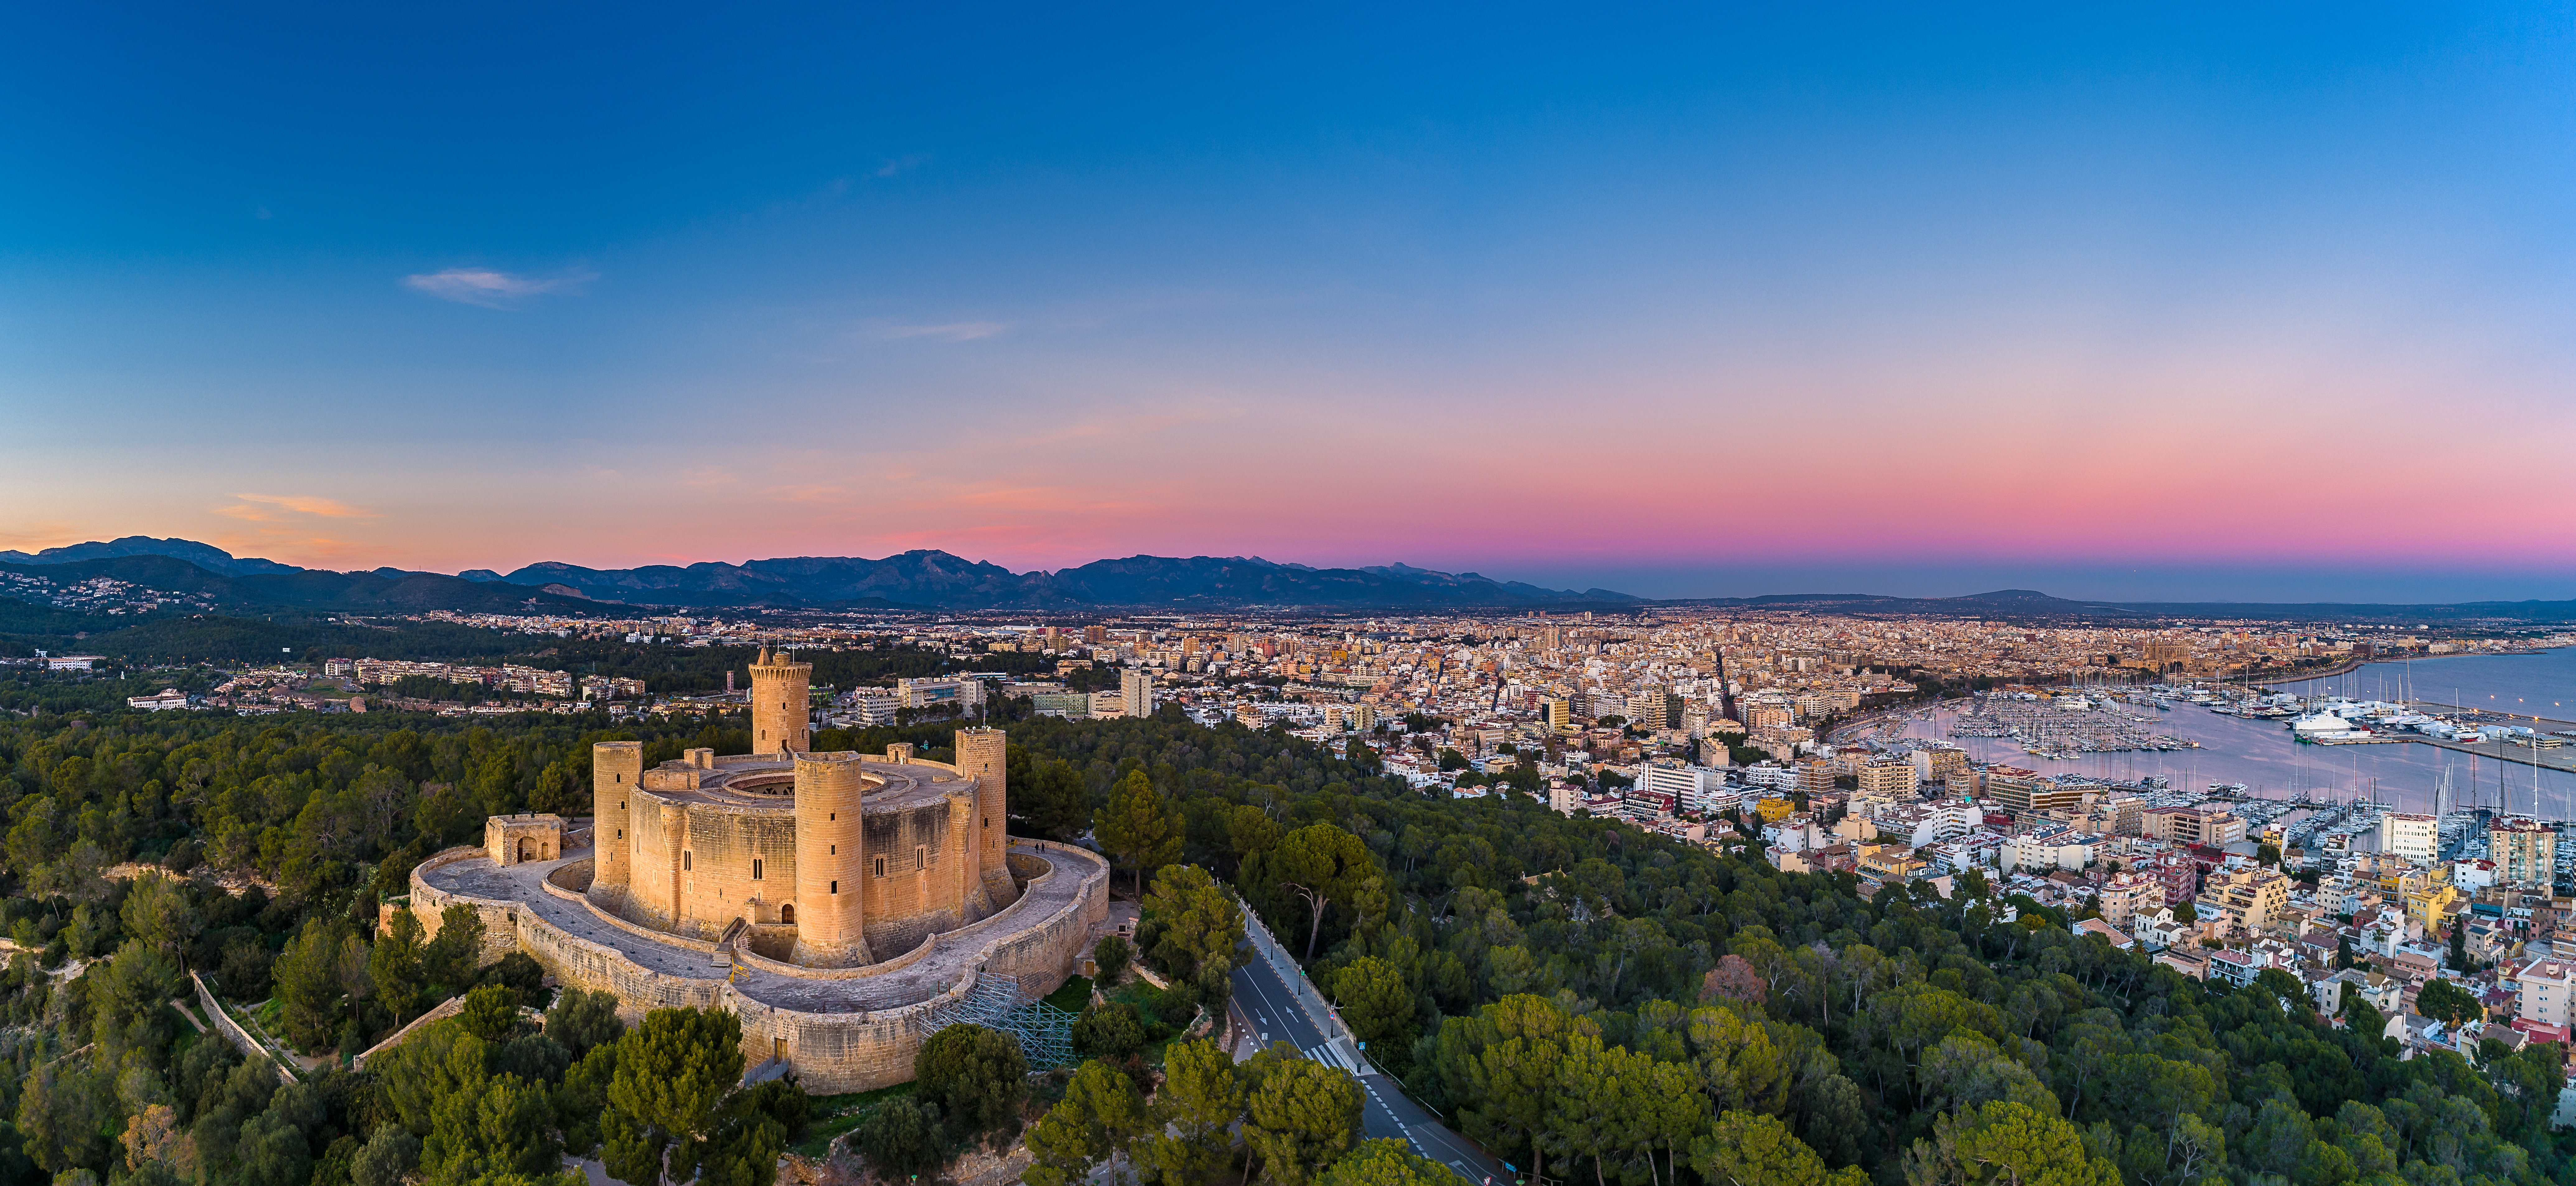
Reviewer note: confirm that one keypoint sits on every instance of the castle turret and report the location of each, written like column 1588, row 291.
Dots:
column 829, row 930
column 779, row 717
column 985, row 756
column 616, row 767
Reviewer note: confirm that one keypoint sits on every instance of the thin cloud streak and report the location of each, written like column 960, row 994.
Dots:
column 494, row 289
column 270, row 508
column 960, row 331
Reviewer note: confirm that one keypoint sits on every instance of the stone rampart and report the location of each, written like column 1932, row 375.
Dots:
column 830, row 1051
column 429, row 902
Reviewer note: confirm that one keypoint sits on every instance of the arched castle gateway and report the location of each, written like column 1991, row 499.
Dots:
column 837, row 901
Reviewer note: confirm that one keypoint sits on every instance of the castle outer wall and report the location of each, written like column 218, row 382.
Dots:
column 839, row 1030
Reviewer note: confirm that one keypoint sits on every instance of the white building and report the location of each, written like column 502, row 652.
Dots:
column 1136, row 692
column 1693, row 788
column 2414, row 837
column 2545, row 985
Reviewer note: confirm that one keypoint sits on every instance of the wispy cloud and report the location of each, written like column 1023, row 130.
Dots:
column 494, row 289
column 270, row 508
column 903, row 164
column 959, row 331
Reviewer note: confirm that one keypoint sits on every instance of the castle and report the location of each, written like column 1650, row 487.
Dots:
column 844, row 906
column 825, row 859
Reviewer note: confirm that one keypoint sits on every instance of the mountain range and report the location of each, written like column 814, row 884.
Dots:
column 931, row 579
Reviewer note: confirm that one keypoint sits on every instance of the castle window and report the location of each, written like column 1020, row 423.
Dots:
column 836, row 850
column 684, row 859
column 988, row 821
column 621, row 833
column 787, row 913
column 755, row 868
column 621, row 778
column 836, row 887
column 831, row 815
column 880, row 866
column 920, row 857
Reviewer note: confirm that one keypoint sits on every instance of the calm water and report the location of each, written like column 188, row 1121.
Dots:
column 2262, row 755
column 2542, row 684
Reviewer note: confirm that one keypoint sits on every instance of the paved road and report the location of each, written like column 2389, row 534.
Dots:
column 1386, row 1112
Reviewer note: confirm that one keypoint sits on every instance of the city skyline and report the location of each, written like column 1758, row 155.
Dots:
column 2194, row 306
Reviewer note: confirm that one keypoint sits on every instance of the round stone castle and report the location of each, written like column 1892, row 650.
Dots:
column 844, row 905
column 828, row 860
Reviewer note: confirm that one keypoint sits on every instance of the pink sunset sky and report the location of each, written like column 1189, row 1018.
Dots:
column 2202, row 307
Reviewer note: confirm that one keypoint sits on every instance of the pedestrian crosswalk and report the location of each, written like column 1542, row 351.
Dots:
column 1331, row 1054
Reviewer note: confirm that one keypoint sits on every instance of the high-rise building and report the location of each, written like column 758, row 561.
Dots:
column 1646, row 710
column 1095, row 635
column 1559, row 713
column 2525, row 853
column 1888, row 778
column 1136, row 691
column 2414, row 837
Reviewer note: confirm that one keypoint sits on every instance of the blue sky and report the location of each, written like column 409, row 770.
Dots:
column 1700, row 301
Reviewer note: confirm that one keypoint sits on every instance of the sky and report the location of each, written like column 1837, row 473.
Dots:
column 2166, row 302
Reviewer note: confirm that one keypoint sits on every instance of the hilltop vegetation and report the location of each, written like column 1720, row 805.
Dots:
column 1531, row 975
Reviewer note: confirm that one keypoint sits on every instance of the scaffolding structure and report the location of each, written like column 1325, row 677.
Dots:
column 995, row 1002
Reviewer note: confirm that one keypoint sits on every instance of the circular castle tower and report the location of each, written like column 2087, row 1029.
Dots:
column 779, row 714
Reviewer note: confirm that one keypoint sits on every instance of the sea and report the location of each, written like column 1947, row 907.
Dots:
column 2262, row 755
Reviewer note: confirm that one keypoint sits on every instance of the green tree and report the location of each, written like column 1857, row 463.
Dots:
column 492, row 1126
column 2448, row 1003
column 1049, row 801
column 1191, row 1138
column 394, row 964
column 976, row 1076
column 1300, row 1117
column 2005, row 1142
column 1100, row 1116
column 449, row 959
column 1139, row 827
column 583, row 1021
column 1191, row 922
column 1387, row 1161
column 490, row 1013
column 900, row 1140
column 308, row 981
column 1376, row 1003
column 157, row 912
column 1748, row 1149
column 582, row 1097
column 672, row 1071
column 1110, row 956
column 1321, row 866
column 390, row 1155
column 1108, row 1029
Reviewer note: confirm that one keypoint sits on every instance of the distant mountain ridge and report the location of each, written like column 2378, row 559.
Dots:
column 386, row 590
column 206, row 556
column 932, row 579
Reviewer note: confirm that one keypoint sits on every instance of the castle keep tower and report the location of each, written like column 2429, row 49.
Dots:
column 829, row 863
column 984, row 755
column 779, row 717
column 616, row 768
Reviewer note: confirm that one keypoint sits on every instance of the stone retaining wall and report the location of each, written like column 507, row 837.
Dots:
column 829, row 1052
column 234, row 1033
